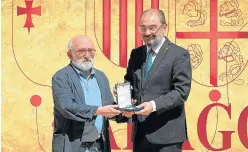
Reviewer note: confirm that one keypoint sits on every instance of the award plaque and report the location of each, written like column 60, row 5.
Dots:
column 124, row 99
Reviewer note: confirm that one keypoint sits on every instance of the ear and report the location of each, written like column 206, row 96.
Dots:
column 165, row 28
column 69, row 54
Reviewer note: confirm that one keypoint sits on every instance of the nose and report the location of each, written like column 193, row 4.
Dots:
column 147, row 32
column 87, row 55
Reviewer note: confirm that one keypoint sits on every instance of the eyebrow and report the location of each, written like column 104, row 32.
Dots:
column 148, row 25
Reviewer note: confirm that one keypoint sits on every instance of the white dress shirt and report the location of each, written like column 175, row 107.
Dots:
column 155, row 52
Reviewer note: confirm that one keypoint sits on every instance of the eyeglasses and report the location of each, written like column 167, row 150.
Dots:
column 151, row 28
column 84, row 50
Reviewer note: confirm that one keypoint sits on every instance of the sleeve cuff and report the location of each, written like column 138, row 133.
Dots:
column 153, row 105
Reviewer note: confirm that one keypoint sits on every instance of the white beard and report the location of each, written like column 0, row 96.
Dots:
column 83, row 65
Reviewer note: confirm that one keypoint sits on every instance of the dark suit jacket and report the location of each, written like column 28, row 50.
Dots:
column 168, row 83
column 73, row 119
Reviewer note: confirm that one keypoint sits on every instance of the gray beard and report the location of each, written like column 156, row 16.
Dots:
column 84, row 66
column 155, row 42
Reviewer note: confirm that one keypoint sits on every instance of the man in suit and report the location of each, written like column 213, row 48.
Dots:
column 82, row 102
column 160, row 73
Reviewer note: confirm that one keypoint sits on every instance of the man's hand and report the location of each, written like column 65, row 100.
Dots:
column 108, row 111
column 129, row 114
column 147, row 109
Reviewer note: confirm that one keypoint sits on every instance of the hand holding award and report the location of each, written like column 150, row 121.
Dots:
column 123, row 97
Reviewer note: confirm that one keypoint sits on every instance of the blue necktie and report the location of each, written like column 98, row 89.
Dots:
column 148, row 63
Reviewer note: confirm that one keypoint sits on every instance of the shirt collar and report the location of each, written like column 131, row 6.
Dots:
column 92, row 71
column 156, row 49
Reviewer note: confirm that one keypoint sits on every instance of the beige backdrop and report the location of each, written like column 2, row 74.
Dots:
column 42, row 52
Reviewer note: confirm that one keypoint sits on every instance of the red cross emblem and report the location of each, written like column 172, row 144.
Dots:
column 29, row 11
column 213, row 35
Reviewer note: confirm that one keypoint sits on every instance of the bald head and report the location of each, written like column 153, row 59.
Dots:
column 155, row 13
column 80, row 41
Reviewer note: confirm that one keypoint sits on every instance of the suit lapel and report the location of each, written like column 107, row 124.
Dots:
column 162, row 52
column 100, row 84
column 76, row 81
column 143, row 65
column 101, row 87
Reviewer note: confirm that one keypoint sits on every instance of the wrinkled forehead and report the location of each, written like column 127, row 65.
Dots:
column 82, row 43
column 150, row 19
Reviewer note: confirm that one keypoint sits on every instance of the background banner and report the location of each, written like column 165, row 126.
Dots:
column 35, row 34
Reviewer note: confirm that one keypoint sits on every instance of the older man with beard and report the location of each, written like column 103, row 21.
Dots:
column 160, row 73
column 82, row 102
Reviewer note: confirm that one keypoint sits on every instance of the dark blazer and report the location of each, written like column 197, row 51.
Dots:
column 73, row 119
column 168, row 83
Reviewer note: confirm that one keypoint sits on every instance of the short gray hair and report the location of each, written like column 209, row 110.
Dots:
column 70, row 45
